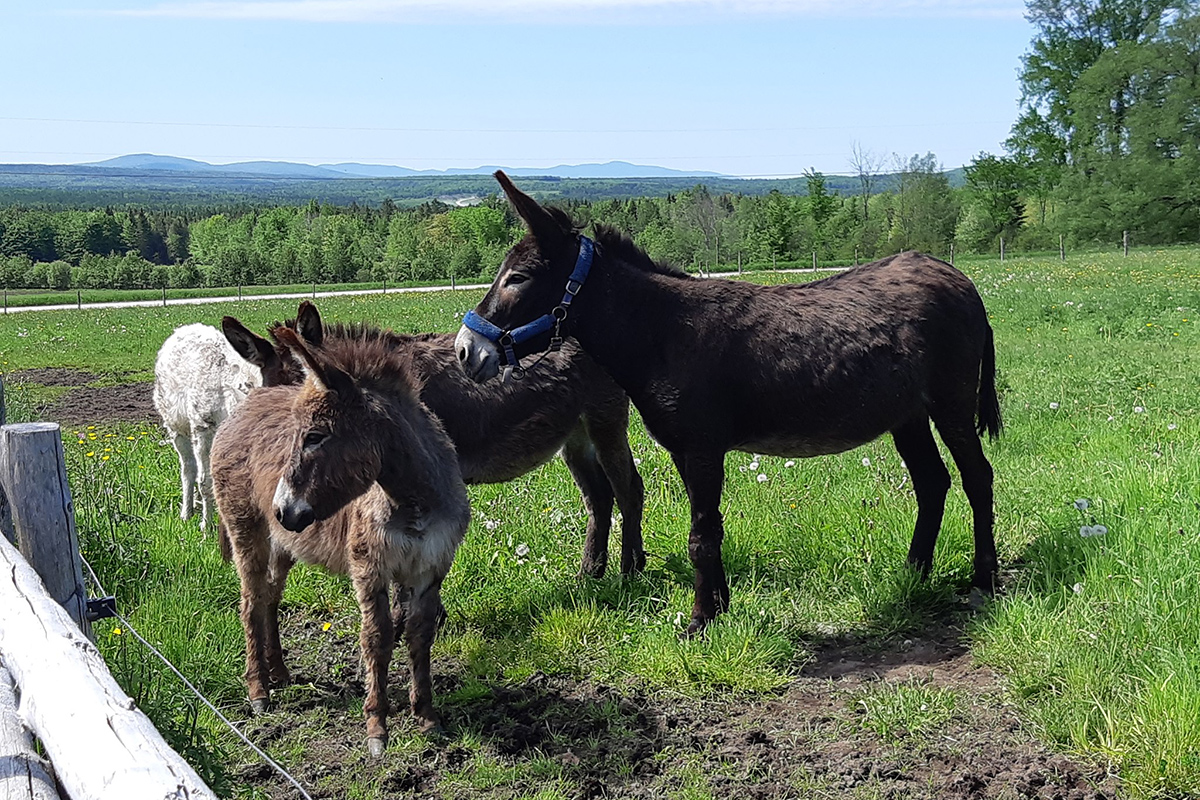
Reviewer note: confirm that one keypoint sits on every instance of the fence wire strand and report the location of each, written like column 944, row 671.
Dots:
column 124, row 621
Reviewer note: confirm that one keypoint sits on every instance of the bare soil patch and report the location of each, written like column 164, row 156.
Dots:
column 601, row 741
column 52, row 376
column 89, row 405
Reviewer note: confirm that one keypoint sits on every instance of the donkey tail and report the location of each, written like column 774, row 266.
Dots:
column 987, row 417
column 223, row 538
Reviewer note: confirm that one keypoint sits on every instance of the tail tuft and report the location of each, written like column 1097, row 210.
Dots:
column 987, row 416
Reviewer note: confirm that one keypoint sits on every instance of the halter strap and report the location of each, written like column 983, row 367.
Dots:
column 509, row 339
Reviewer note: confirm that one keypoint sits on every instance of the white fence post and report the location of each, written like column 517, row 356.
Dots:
column 101, row 745
column 33, row 476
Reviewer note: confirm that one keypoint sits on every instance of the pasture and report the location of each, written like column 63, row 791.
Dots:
column 835, row 673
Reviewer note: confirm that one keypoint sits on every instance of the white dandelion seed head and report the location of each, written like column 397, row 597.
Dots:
column 522, row 550
column 1172, row 426
column 1077, row 588
column 1082, row 504
column 1138, row 409
column 1110, row 417
column 637, row 462
column 762, row 477
column 789, row 464
column 1054, row 406
column 1085, row 531
column 1099, row 530
column 866, row 462
column 753, row 465
column 491, row 524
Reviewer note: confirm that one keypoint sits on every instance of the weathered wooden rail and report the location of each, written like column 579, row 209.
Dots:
column 100, row 744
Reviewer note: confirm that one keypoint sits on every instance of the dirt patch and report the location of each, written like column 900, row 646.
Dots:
column 590, row 740
column 52, row 376
column 88, row 405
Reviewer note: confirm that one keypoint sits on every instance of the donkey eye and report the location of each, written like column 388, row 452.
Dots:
column 516, row 279
column 314, row 438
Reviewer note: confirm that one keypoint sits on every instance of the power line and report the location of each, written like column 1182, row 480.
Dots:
column 573, row 131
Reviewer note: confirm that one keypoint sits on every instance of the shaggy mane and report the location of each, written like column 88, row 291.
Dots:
column 374, row 357
column 617, row 245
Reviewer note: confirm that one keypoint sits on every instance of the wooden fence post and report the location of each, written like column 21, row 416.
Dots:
column 1001, row 249
column 24, row 775
column 101, row 745
column 1125, row 241
column 952, row 254
column 1062, row 252
column 33, row 475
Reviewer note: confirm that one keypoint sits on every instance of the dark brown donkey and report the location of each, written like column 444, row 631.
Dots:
column 504, row 430
column 349, row 471
column 799, row 370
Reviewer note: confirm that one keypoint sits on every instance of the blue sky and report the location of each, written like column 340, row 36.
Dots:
column 769, row 87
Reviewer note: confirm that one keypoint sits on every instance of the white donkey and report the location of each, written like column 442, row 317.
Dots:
column 199, row 379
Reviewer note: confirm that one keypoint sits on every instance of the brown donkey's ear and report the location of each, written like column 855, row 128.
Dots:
column 541, row 223
column 308, row 324
column 249, row 345
column 325, row 375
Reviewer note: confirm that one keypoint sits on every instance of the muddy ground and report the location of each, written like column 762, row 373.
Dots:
column 85, row 404
column 807, row 740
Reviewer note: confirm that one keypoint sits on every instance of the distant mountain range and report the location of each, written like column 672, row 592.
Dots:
column 287, row 169
column 168, row 182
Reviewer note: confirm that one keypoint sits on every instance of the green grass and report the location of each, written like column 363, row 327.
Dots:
column 895, row 711
column 1096, row 637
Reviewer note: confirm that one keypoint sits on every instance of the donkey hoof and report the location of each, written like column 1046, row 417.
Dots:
column 593, row 568
column 977, row 600
column 695, row 628
column 431, row 726
column 376, row 746
column 259, row 706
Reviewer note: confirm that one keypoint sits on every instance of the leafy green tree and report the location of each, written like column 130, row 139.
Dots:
column 925, row 210
column 993, row 206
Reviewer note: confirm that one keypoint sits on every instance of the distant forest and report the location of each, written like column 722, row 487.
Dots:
column 1107, row 141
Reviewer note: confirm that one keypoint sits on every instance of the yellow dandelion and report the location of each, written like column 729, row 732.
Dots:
column 91, row 427
column 90, row 453
column 117, row 631
column 105, row 458
column 326, row 626
column 130, row 439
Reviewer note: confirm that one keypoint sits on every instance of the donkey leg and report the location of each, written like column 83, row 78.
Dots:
column 704, row 475
column 612, row 449
column 187, row 473
column 963, row 443
column 401, row 594
column 202, row 439
column 931, row 481
column 580, row 456
column 423, row 612
column 376, row 640
column 252, row 559
column 281, row 564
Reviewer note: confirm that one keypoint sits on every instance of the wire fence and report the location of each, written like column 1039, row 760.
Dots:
column 98, row 587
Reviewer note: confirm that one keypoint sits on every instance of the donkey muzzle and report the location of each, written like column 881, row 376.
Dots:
column 292, row 512
column 478, row 357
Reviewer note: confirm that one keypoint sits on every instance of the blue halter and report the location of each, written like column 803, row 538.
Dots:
column 511, row 338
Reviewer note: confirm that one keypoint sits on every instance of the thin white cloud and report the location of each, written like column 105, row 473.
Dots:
column 561, row 11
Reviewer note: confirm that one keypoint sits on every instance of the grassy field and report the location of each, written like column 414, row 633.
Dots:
column 1095, row 636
